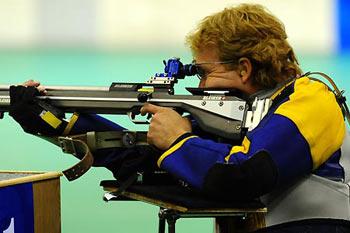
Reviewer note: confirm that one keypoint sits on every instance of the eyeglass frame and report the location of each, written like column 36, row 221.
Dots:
column 197, row 65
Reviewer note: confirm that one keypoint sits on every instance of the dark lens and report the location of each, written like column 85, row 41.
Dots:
column 200, row 72
column 190, row 69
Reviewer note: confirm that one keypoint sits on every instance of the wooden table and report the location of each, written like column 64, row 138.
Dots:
column 176, row 202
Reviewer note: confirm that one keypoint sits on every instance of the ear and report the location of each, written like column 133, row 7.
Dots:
column 245, row 69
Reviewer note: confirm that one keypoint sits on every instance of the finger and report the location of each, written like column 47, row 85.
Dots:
column 31, row 83
column 41, row 89
column 149, row 140
column 150, row 108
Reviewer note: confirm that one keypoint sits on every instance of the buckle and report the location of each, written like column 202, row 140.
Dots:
column 67, row 145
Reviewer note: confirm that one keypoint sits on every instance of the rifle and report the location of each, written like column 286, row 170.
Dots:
column 227, row 114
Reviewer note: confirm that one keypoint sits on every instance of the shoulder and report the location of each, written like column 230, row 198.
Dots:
column 310, row 99
column 313, row 108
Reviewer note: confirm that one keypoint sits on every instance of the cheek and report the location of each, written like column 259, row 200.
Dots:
column 221, row 83
column 202, row 83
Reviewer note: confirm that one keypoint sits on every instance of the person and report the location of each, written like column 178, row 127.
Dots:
column 293, row 159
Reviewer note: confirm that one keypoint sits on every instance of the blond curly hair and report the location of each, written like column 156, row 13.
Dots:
column 248, row 30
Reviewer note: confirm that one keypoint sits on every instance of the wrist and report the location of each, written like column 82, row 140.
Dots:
column 181, row 137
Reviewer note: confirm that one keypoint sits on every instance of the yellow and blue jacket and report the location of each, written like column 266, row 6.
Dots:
column 301, row 134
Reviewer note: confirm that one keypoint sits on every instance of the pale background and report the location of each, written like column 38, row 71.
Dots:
column 147, row 24
column 96, row 42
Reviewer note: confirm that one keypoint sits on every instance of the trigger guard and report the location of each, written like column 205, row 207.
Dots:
column 132, row 115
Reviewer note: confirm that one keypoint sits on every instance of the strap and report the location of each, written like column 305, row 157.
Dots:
column 126, row 184
column 338, row 93
column 82, row 146
column 77, row 146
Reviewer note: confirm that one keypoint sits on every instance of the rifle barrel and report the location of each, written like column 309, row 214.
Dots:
column 64, row 88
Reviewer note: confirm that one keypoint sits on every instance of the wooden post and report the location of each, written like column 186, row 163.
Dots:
column 45, row 197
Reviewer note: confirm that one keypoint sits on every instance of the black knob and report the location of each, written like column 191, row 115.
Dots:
column 143, row 97
column 129, row 140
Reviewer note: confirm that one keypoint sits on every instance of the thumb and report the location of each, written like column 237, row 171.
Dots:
column 150, row 108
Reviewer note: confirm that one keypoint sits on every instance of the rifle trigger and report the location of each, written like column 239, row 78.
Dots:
column 149, row 116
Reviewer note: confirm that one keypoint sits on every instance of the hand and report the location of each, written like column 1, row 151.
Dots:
column 33, row 83
column 166, row 126
column 26, row 110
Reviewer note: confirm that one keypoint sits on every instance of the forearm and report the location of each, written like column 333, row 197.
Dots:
column 82, row 123
column 251, row 169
